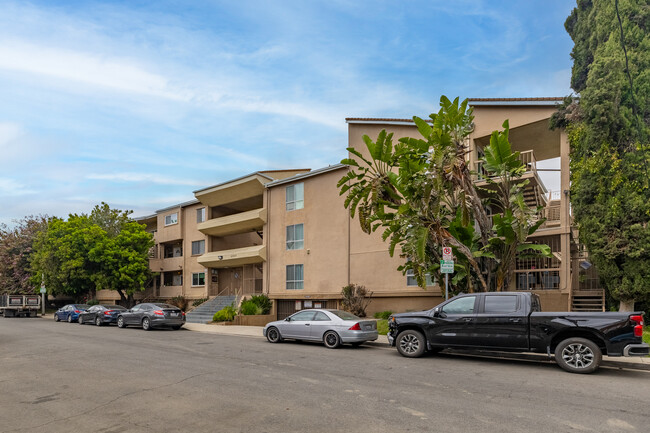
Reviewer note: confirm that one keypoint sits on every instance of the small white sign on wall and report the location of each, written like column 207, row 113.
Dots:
column 298, row 305
column 308, row 304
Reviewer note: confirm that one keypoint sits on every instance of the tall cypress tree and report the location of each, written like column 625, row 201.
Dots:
column 609, row 128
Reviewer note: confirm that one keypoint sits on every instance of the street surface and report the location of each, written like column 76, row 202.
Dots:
column 60, row 377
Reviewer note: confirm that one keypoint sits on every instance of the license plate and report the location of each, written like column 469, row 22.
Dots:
column 174, row 314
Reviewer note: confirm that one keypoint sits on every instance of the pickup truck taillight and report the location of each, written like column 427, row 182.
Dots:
column 638, row 328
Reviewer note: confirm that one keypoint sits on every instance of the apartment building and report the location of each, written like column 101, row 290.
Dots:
column 286, row 232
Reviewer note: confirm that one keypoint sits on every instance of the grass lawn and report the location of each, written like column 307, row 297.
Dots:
column 646, row 334
column 382, row 327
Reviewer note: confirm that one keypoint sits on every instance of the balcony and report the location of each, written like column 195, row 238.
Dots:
column 232, row 224
column 234, row 257
column 526, row 157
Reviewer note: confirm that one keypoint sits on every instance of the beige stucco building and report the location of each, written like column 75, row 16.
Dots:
column 286, row 232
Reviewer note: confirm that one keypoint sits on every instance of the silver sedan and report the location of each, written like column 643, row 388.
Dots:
column 332, row 327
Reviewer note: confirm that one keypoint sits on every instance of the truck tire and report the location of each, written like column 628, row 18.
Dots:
column 410, row 343
column 578, row 355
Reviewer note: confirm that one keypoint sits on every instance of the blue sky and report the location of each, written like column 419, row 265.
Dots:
column 139, row 103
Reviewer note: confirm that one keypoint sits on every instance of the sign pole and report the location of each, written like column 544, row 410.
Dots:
column 42, row 296
column 446, row 286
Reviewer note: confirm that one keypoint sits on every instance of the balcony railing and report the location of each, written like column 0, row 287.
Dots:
column 526, row 157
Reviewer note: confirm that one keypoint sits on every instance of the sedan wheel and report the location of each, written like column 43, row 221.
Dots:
column 120, row 322
column 98, row 321
column 69, row 318
column 410, row 343
column 273, row 335
column 146, row 324
column 56, row 317
column 331, row 340
column 80, row 320
column 578, row 355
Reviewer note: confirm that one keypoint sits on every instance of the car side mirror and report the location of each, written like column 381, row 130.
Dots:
column 436, row 312
column 288, row 319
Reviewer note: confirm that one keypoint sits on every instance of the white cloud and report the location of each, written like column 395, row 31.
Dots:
column 12, row 188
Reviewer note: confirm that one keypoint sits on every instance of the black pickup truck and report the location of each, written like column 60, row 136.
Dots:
column 514, row 322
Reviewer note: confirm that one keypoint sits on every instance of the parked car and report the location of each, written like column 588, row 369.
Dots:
column 514, row 322
column 149, row 315
column 100, row 314
column 332, row 327
column 70, row 312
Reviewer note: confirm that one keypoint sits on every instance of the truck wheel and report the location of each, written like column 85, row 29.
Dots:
column 410, row 343
column 578, row 355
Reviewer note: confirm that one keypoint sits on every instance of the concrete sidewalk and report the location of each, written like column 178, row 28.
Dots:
column 634, row 363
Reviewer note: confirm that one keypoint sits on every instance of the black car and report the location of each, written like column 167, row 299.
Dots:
column 101, row 314
column 152, row 315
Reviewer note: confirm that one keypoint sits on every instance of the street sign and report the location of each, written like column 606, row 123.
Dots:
column 447, row 266
column 446, row 254
column 43, row 290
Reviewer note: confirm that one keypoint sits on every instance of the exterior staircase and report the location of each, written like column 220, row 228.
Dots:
column 204, row 312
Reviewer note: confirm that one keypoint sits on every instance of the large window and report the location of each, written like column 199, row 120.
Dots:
column 171, row 219
column 295, row 196
column 174, row 278
column 198, row 279
column 295, row 278
column 295, row 237
column 200, row 215
column 412, row 281
column 173, row 250
column 198, row 247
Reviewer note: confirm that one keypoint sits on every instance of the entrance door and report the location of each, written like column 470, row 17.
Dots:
column 230, row 280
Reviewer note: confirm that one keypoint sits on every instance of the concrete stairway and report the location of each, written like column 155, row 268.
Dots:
column 204, row 312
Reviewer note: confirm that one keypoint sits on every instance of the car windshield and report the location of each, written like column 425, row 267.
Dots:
column 344, row 315
column 165, row 306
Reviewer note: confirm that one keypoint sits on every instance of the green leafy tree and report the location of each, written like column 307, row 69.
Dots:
column 86, row 253
column 16, row 249
column 423, row 195
column 608, row 130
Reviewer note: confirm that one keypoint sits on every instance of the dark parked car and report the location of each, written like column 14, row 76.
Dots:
column 101, row 314
column 70, row 312
column 514, row 322
column 150, row 316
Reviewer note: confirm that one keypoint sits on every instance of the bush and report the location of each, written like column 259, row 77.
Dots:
column 249, row 308
column 198, row 302
column 383, row 315
column 382, row 327
column 179, row 301
column 355, row 299
column 226, row 314
column 263, row 302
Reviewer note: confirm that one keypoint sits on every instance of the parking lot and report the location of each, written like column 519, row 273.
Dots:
column 65, row 377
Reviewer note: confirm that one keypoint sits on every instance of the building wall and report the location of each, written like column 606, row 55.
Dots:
column 325, row 251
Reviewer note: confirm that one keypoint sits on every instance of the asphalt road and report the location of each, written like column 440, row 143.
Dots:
column 60, row 377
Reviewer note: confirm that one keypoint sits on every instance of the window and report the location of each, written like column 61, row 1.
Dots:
column 412, row 281
column 198, row 247
column 460, row 306
column 295, row 279
column 295, row 196
column 171, row 219
column 200, row 215
column 500, row 304
column 303, row 316
column 295, row 237
column 173, row 250
column 198, row 279
column 321, row 317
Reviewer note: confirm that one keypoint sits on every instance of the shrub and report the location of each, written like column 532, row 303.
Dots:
column 383, row 315
column 226, row 314
column 355, row 299
column 179, row 301
column 263, row 302
column 249, row 308
column 198, row 302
